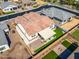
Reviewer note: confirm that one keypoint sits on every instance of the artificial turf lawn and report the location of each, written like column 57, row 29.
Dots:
column 66, row 43
column 76, row 34
column 58, row 32
column 51, row 55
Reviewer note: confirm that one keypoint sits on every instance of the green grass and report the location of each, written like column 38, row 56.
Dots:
column 69, row 46
column 51, row 55
column 66, row 43
column 76, row 34
column 45, row 3
column 10, row 12
column 44, row 46
column 58, row 34
column 34, row 6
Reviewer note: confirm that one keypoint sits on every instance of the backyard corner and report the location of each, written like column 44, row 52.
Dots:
column 51, row 55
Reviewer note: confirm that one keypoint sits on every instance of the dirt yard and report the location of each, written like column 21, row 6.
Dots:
column 17, row 48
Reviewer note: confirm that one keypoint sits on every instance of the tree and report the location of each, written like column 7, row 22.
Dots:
column 71, row 2
column 52, row 1
column 68, row 2
column 77, row 4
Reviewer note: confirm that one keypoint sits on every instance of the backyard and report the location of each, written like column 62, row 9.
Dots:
column 69, row 46
column 63, row 54
column 76, row 34
column 51, row 55
column 58, row 32
column 66, row 43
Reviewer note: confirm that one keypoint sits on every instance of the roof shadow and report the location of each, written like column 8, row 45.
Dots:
column 8, row 39
column 68, row 51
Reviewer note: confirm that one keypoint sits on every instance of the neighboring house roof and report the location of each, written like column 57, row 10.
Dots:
column 6, row 4
column 34, row 22
column 3, row 26
column 3, row 39
column 58, row 14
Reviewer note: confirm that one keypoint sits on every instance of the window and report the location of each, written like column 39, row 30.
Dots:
column 11, row 9
column 14, row 8
column 6, row 9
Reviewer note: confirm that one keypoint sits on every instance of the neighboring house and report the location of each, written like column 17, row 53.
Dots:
column 3, row 42
column 59, row 14
column 8, row 6
column 4, row 27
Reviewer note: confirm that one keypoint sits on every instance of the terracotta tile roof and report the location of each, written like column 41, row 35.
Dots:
column 34, row 22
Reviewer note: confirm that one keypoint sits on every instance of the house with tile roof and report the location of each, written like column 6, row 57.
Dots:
column 30, row 24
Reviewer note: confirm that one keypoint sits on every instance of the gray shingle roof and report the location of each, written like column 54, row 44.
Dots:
column 6, row 4
column 3, row 39
column 3, row 26
column 58, row 13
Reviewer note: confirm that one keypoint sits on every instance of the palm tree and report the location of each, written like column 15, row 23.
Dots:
column 1, row 12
